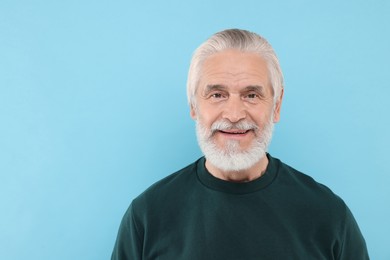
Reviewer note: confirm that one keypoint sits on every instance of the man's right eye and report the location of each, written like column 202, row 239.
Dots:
column 216, row 95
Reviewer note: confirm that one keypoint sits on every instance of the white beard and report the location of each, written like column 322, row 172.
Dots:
column 231, row 157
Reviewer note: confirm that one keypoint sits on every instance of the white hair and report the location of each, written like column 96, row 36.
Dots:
column 240, row 40
column 231, row 157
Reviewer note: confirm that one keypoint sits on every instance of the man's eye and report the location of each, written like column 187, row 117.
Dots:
column 252, row 95
column 217, row 95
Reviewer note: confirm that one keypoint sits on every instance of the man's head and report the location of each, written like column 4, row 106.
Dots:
column 235, row 89
column 235, row 39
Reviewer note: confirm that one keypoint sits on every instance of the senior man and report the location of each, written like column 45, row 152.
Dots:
column 237, row 202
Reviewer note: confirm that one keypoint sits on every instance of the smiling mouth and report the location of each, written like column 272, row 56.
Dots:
column 234, row 132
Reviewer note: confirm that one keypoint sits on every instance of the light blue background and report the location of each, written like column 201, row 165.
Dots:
column 93, row 109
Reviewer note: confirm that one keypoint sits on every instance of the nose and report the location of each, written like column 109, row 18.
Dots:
column 234, row 109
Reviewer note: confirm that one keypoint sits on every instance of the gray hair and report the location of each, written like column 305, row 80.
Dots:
column 240, row 40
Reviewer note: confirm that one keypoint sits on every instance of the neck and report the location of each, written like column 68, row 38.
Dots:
column 254, row 172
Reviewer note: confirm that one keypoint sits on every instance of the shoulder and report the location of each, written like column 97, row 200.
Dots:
column 304, row 186
column 167, row 188
column 315, row 201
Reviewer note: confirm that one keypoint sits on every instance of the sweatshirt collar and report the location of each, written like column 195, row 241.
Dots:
column 208, row 180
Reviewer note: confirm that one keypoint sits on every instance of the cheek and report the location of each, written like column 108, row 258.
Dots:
column 261, row 115
column 261, row 122
column 206, row 116
column 204, row 121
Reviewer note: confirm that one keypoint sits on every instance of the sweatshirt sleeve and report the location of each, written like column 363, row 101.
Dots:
column 128, row 245
column 353, row 246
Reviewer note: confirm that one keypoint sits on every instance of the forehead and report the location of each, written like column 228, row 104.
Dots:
column 234, row 68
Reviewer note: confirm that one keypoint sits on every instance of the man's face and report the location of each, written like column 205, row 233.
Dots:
column 234, row 103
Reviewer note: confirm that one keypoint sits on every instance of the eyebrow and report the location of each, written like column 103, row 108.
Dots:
column 211, row 88
column 255, row 88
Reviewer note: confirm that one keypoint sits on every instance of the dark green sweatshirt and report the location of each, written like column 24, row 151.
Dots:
column 283, row 215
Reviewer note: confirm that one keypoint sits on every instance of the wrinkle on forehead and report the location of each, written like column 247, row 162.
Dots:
column 234, row 68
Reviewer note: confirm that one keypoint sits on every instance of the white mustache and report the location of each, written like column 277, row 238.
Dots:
column 223, row 125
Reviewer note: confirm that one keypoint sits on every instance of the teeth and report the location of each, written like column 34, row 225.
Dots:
column 236, row 132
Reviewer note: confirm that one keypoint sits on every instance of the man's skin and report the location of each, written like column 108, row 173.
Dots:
column 235, row 86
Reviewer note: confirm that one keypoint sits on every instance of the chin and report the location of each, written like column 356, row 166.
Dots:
column 232, row 160
column 232, row 157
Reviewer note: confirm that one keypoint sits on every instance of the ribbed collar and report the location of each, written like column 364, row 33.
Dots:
column 208, row 180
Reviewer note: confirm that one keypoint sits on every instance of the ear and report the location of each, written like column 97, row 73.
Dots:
column 193, row 112
column 278, row 106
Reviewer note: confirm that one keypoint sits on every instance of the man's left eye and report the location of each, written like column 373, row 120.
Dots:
column 252, row 95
